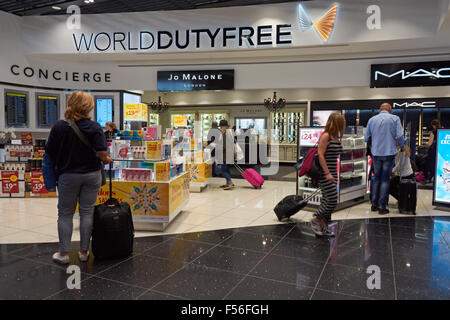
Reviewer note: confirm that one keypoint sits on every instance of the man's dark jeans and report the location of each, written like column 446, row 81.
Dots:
column 382, row 167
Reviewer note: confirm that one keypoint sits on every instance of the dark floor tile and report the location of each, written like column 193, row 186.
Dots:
column 200, row 283
column 152, row 295
column 180, row 250
column 278, row 230
column 142, row 244
column 263, row 289
column 100, row 289
column 287, row 269
column 419, row 289
column 212, row 237
column 327, row 295
column 142, row 271
column 314, row 250
column 230, row 259
column 43, row 253
column 412, row 233
column 362, row 257
column 22, row 279
column 11, row 248
column 371, row 242
column 417, row 247
column 252, row 241
column 413, row 222
column 434, row 268
column 363, row 228
column 353, row 281
column 302, row 231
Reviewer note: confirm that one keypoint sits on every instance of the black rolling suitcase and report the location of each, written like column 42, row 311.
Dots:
column 113, row 233
column 292, row 204
column 407, row 196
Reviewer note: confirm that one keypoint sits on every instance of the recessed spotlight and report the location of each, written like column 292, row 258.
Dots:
column 56, row 8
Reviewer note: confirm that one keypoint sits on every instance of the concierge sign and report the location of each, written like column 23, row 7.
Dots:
column 436, row 73
column 441, row 192
column 195, row 80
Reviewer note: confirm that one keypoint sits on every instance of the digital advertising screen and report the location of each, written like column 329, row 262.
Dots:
column 47, row 110
column 441, row 192
column 104, row 110
column 320, row 117
column 16, row 105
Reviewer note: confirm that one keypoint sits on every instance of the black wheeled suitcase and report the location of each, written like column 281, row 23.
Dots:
column 407, row 196
column 113, row 232
column 292, row 204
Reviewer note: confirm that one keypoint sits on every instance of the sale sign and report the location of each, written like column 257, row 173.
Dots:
column 179, row 121
column 27, row 138
column 37, row 182
column 309, row 137
column 10, row 182
column 135, row 112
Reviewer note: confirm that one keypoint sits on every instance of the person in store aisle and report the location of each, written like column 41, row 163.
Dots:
column 430, row 160
column 329, row 149
column 111, row 130
column 78, row 171
column 402, row 170
column 224, row 143
column 386, row 132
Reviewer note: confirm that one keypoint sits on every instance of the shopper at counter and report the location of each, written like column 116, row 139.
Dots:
column 111, row 130
column 329, row 149
column 77, row 167
column 386, row 132
column 430, row 159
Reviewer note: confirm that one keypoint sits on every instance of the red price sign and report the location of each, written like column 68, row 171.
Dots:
column 27, row 138
column 37, row 182
column 10, row 182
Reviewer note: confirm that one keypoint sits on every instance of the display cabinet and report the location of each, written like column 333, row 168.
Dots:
column 206, row 120
column 352, row 170
column 284, row 133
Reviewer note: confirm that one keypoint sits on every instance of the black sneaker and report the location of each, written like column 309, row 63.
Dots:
column 373, row 208
column 383, row 211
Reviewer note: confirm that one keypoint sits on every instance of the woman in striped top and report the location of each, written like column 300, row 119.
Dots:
column 328, row 152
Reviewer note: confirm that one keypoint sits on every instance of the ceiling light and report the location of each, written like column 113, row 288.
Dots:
column 88, row 1
column 56, row 8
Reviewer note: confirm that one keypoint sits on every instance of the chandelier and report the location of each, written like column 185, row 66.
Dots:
column 273, row 105
column 159, row 107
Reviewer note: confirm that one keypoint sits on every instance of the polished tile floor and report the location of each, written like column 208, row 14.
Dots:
column 34, row 220
column 229, row 245
column 283, row 261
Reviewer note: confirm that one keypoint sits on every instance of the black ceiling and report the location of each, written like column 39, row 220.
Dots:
column 44, row 7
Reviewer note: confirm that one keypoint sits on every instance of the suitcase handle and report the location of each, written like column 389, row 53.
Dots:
column 241, row 171
column 110, row 182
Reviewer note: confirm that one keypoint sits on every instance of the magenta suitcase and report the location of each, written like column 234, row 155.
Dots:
column 253, row 177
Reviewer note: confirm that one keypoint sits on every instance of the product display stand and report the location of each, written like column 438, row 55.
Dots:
column 352, row 171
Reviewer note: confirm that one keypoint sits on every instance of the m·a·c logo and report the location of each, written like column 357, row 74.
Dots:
column 324, row 25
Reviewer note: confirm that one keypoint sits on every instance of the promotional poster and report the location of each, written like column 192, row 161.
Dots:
column 442, row 180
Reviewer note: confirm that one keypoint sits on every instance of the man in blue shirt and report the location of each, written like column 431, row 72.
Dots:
column 386, row 132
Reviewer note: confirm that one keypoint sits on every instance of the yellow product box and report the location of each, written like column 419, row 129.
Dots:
column 154, row 150
column 198, row 156
column 162, row 171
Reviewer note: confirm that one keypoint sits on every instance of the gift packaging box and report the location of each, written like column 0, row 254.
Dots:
column 152, row 133
column 162, row 170
column 139, row 152
column 154, row 151
column 120, row 149
column 136, row 174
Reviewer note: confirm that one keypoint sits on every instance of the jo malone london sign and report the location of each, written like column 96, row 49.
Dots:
column 195, row 80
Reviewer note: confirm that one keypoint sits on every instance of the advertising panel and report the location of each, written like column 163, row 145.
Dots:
column 441, row 192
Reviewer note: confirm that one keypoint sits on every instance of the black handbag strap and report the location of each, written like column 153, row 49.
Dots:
column 80, row 134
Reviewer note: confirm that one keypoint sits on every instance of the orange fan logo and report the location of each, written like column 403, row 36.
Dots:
column 324, row 25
